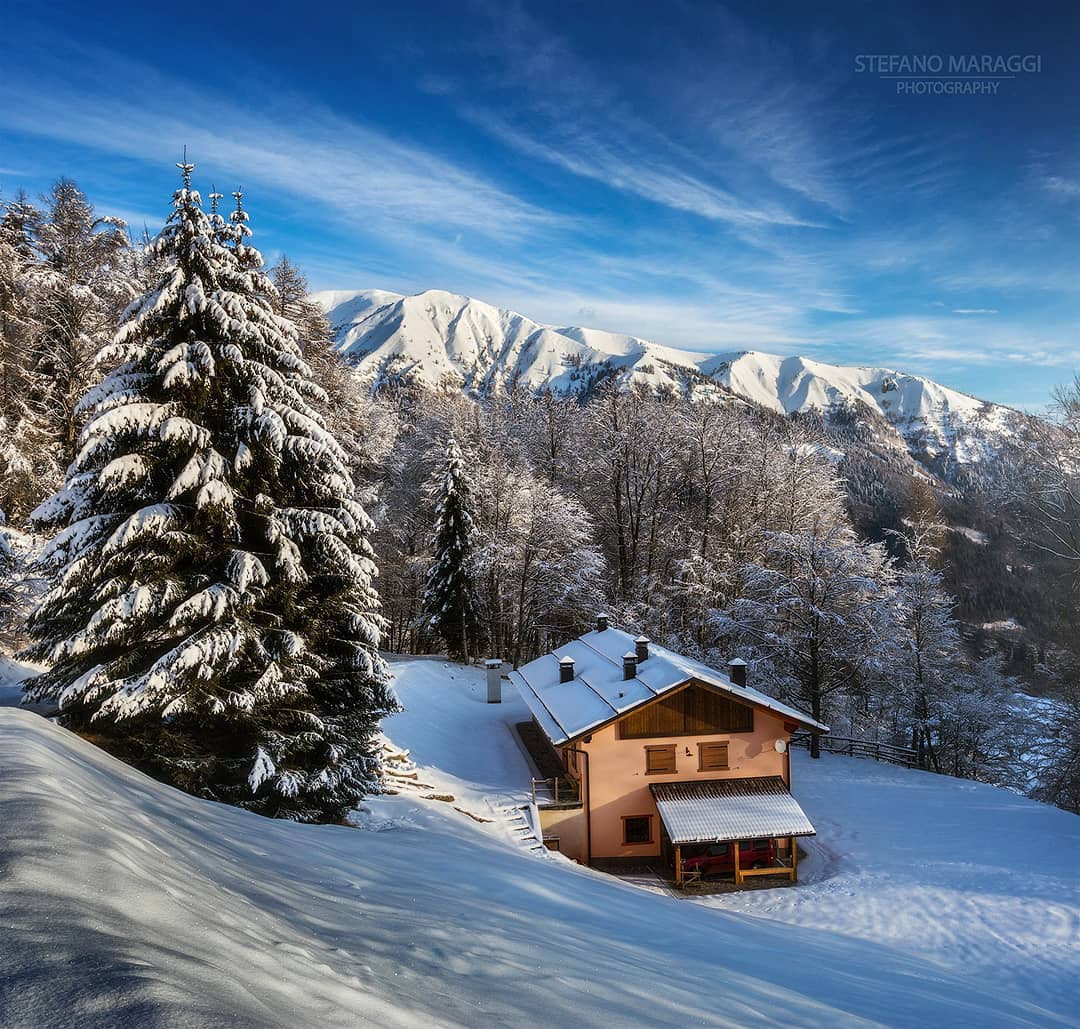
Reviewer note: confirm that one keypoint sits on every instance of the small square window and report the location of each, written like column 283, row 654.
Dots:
column 637, row 829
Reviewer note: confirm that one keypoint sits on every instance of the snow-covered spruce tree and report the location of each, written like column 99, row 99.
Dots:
column 449, row 601
column 356, row 417
column 28, row 469
column 7, row 585
column 213, row 616
column 80, row 287
column 294, row 302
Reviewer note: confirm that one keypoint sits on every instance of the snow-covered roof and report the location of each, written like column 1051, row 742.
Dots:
column 598, row 692
column 716, row 811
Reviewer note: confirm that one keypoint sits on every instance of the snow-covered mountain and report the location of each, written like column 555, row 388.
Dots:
column 439, row 339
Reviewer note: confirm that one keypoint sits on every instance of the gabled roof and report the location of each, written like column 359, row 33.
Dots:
column 718, row 810
column 598, row 692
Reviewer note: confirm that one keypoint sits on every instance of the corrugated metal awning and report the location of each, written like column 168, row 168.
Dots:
column 729, row 809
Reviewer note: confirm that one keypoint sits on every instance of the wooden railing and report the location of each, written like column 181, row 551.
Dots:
column 556, row 792
column 879, row 751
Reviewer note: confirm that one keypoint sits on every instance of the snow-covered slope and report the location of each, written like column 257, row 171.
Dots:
column 442, row 339
column 127, row 903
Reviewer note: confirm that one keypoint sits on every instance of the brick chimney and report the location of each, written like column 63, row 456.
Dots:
column 629, row 665
column 737, row 671
column 641, row 646
column 566, row 669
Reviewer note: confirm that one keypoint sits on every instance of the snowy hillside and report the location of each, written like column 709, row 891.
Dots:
column 928, row 901
column 437, row 338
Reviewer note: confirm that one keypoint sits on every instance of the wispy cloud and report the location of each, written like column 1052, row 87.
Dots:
column 975, row 310
column 565, row 115
column 1061, row 185
column 641, row 174
column 936, row 343
column 359, row 172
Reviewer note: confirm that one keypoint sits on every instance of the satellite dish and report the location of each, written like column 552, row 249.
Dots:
column 781, row 746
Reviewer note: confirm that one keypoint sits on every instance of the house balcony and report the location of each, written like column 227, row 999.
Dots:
column 558, row 792
column 555, row 787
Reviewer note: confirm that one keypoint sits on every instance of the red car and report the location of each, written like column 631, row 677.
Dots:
column 721, row 858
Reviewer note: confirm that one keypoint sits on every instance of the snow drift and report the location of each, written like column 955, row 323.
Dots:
column 126, row 902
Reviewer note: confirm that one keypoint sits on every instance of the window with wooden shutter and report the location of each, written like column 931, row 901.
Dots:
column 712, row 757
column 659, row 760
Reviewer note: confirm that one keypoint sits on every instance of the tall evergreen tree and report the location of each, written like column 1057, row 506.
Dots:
column 450, row 592
column 213, row 615
column 294, row 302
column 348, row 412
column 7, row 585
column 81, row 285
column 29, row 466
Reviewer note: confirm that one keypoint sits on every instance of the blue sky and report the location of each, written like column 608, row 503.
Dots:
column 706, row 176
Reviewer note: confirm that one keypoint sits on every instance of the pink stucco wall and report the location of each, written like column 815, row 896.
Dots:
column 619, row 785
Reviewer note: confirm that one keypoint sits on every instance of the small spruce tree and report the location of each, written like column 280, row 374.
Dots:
column 212, row 615
column 450, row 595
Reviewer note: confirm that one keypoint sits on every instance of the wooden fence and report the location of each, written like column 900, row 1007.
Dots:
column 861, row 748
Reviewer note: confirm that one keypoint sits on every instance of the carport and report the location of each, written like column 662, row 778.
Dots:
column 733, row 812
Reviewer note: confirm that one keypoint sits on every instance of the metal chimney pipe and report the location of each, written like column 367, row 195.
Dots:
column 601, row 623
column 737, row 671
column 566, row 669
column 641, row 646
column 629, row 665
column 494, row 680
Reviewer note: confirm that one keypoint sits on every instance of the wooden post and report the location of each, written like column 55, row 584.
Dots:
column 738, row 873
column 678, row 867
column 794, row 859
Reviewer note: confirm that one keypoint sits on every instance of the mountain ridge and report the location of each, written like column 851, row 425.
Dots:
column 437, row 339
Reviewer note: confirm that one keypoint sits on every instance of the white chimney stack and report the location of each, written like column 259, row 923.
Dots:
column 494, row 680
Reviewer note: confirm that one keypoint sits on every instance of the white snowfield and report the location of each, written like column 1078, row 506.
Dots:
column 930, row 902
column 435, row 337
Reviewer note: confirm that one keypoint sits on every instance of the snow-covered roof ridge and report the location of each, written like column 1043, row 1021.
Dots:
column 598, row 693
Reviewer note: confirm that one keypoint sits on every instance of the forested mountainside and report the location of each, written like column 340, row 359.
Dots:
column 887, row 429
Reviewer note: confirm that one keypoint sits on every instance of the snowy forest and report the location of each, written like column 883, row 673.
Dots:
column 213, row 528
